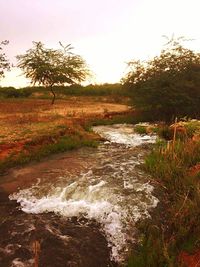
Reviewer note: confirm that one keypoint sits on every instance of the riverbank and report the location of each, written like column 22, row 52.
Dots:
column 31, row 129
column 171, row 237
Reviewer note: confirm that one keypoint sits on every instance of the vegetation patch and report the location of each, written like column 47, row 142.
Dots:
column 175, row 226
column 168, row 85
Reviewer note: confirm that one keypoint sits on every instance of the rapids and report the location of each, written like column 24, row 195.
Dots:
column 110, row 195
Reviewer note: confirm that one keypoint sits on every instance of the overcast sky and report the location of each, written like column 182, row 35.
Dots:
column 107, row 33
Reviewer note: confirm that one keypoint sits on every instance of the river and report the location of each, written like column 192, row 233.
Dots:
column 81, row 216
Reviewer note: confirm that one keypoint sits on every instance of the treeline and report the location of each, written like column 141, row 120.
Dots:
column 162, row 88
column 168, row 85
column 11, row 92
column 73, row 90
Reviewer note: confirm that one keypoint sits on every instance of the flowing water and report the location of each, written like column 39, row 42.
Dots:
column 82, row 214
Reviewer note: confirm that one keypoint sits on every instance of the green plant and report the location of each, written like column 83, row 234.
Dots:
column 49, row 67
column 192, row 127
column 4, row 63
column 176, row 225
column 140, row 129
column 168, row 85
column 150, row 252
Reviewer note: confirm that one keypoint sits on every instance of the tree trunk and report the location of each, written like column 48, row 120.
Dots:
column 53, row 93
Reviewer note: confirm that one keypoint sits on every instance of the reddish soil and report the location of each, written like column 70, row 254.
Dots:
column 188, row 260
column 7, row 149
column 194, row 170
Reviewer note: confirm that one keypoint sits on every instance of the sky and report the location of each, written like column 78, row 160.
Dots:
column 106, row 33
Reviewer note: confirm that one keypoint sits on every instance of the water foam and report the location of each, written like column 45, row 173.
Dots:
column 107, row 214
column 112, row 213
column 19, row 263
column 124, row 134
column 114, row 192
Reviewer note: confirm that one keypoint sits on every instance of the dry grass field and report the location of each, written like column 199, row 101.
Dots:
column 25, row 120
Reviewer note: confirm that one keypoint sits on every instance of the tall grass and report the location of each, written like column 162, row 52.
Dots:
column 176, row 225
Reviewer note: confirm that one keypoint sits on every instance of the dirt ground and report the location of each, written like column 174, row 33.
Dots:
column 23, row 120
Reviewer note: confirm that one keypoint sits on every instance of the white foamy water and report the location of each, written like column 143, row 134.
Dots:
column 18, row 263
column 124, row 134
column 114, row 192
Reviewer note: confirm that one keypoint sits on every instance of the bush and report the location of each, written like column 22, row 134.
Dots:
column 11, row 92
column 168, row 85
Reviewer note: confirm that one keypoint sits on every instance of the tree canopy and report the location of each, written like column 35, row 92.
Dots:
column 4, row 63
column 49, row 67
column 169, row 84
